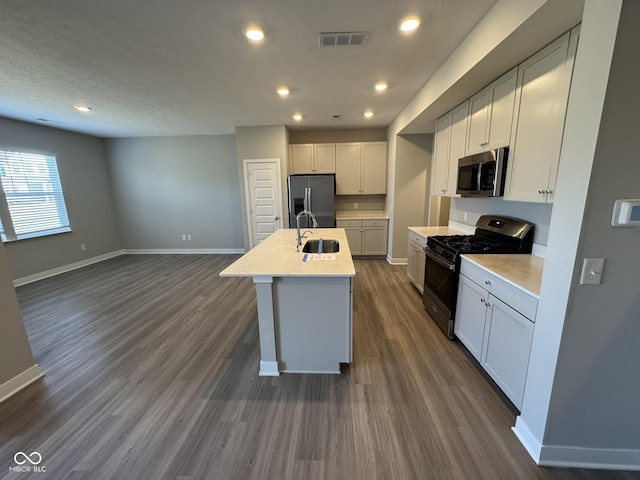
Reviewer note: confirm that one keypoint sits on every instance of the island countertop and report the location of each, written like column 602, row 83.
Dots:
column 277, row 257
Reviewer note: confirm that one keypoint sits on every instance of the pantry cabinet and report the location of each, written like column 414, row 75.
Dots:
column 541, row 102
column 361, row 168
column 313, row 158
column 449, row 146
column 494, row 321
column 491, row 115
column 366, row 237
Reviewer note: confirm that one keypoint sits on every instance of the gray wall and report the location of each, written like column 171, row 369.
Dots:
column 87, row 192
column 15, row 352
column 168, row 186
column 338, row 136
column 412, row 173
column 262, row 143
column 538, row 213
column 596, row 389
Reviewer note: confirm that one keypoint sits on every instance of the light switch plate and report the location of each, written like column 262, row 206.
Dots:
column 592, row 271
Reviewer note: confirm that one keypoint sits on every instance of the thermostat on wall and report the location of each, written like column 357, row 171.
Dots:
column 626, row 213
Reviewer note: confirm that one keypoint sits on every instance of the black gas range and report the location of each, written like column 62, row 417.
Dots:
column 493, row 234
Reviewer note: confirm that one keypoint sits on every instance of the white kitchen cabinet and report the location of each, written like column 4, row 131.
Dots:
column 494, row 321
column 469, row 325
column 361, row 168
column 416, row 260
column 449, row 146
column 491, row 115
column 506, row 348
column 366, row 237
column 541, row 102
column 313, row 158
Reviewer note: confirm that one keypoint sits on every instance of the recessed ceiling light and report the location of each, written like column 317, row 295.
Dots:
column 409, row 24
column 254, row 33
column 381, row 86
column 82, row 108
column 283, row 91
column 297, row 117
column 368, row 114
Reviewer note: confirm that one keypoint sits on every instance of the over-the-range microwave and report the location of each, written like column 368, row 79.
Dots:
column 483, row 174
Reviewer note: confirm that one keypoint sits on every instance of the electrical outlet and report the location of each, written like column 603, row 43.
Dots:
column 465, row 216
column 355, row 206
column 591, row 271
column 184, row 236
column 83, row 246
column 188, row 236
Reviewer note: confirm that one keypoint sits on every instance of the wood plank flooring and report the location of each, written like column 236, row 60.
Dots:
column 151, row 372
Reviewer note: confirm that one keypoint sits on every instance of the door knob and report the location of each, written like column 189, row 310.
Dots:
column 276, row 218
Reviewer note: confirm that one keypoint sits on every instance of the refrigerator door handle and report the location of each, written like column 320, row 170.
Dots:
column 309, row 201
column 306, row 198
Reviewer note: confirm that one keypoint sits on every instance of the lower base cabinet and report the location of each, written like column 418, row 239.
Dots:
column 416, row 260
column 496, row 334
column 366, row 237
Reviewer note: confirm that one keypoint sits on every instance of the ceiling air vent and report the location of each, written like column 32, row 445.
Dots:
column 340, row 39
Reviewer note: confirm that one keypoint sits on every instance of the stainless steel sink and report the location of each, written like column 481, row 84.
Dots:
column 328, row 246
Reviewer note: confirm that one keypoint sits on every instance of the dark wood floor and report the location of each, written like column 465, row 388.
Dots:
column 151, row 367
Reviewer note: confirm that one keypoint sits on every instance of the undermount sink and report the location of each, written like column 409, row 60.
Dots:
column 328, row 246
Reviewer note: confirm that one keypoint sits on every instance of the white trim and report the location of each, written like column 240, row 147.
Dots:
column 65, row 268
column 20, row 381
column 269, row 369
column 539, row 250
column 247, row 193
column 315, row 372
column 527, row 439
column 597, row 458
column 396, row 261
column 575, row 457
column 183, row 251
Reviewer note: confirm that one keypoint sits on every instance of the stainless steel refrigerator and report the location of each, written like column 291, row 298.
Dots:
column 315, row 193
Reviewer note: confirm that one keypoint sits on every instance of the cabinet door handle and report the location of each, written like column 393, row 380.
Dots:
column 488, row 304
column 482, row 300
column 487, row 282
column 548, row 192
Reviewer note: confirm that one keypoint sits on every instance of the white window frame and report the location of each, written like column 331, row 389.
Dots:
column 43, row 186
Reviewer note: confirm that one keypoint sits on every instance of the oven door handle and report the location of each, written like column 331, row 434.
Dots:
column 438, row 260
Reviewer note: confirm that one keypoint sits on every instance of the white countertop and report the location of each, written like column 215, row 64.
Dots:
column 361, row 215
column 521, row 271
column 277, row 257
column 432, row 231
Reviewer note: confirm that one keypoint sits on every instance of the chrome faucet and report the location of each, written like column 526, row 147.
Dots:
column 298, row 236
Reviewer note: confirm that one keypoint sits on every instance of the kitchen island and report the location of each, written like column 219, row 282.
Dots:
column 305, row 302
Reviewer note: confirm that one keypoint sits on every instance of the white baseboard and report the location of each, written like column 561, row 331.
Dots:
column 576, row 457
column 269, row 369
column 527, row 439
column 396, row 261
column 65, row 268
column 19, row 382
column 183, row 251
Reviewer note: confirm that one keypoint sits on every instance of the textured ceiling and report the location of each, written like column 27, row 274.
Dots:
column 163, row 67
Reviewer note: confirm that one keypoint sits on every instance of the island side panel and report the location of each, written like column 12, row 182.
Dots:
column 313, row 323
column 266, row 326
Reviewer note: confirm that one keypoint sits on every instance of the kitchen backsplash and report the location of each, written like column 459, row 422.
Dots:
column 537, row 213
column 365, row 202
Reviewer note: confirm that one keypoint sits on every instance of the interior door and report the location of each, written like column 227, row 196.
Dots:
column 262, row 184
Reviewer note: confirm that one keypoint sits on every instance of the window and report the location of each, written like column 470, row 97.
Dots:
column 31, row 199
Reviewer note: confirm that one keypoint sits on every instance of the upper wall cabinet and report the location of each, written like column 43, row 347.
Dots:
column 361, row 168
column 491, row 115
column 313, row 158
column 449, row 141
column 541, row 103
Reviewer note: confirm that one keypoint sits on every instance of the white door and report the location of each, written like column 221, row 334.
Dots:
column 263, row 194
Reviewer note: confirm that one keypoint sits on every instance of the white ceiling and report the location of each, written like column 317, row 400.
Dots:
column 165, row 67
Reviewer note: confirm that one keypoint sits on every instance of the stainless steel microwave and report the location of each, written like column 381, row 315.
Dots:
column 483, row 174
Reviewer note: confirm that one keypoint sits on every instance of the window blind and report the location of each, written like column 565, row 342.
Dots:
column 34, row 202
